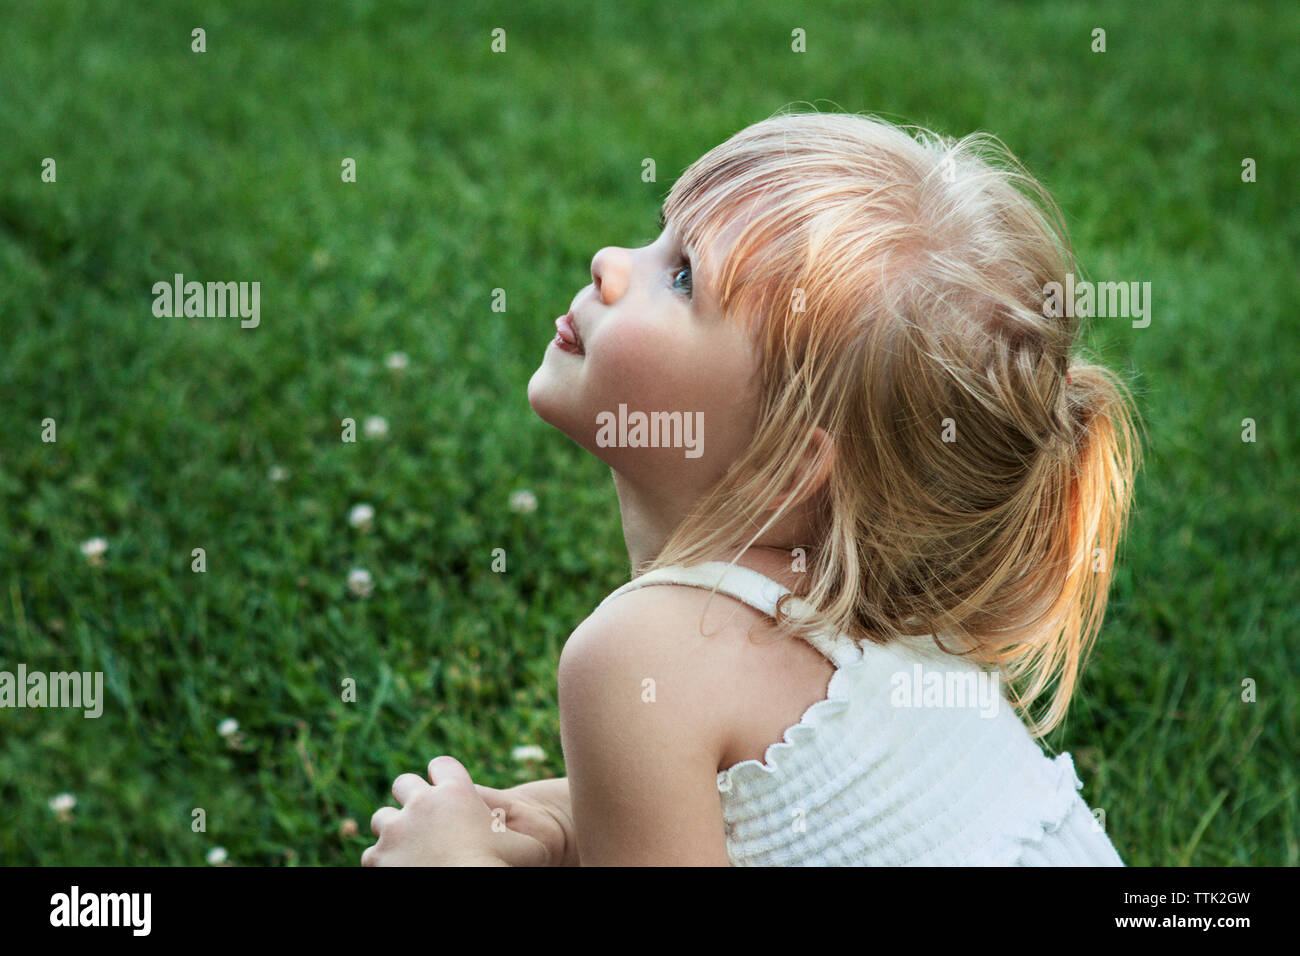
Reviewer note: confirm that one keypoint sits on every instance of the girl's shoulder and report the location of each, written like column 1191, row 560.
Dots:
column 723, row 665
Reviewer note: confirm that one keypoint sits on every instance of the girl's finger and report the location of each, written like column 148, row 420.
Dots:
column 518, row 849
column 382, row 816
column 445, row 769
column 408, row 785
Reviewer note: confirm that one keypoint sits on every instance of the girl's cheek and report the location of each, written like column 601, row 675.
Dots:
column 635, row 366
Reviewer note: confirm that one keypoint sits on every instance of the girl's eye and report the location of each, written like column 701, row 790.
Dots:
column 678, row 280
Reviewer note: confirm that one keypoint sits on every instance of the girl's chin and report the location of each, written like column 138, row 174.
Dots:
column 550, row 399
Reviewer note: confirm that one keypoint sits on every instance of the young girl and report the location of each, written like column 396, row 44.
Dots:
column 871, row 499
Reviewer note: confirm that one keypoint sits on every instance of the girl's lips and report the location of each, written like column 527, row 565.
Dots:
column 566, row 335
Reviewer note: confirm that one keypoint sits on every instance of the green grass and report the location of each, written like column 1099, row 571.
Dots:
column 479, row 171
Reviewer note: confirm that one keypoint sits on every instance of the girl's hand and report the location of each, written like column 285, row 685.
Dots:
column 446, row 823
column 534, row 809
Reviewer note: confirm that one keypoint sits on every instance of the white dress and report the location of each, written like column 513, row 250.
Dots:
column 914, row 758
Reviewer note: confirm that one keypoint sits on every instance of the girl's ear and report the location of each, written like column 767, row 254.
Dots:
column 818, row 460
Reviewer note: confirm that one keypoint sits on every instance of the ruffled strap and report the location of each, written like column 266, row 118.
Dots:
column 749, row 587
column 835, row 645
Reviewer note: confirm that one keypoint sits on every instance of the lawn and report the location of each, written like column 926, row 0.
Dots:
column 479, row 171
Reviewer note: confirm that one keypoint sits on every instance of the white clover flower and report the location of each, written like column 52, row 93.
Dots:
column 523, row 501
column 361, row 516
column 63, row 803
column 376, row 426
column 217, row 856
column 94, row 549
column 360, row 583
column 277, row 473
column 228, row 727
column 320, row 258
column 528, row 752
column 397, row 360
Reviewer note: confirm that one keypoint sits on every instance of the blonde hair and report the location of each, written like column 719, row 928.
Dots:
column 895, row 284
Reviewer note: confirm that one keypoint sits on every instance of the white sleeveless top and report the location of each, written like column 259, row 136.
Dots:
column 914, row 758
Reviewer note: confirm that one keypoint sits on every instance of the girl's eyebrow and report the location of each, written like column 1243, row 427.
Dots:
column 663, row 222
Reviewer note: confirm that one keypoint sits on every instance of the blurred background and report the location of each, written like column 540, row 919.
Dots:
column 479, row 170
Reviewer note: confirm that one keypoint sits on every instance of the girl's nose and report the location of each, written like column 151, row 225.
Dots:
column 609, row 273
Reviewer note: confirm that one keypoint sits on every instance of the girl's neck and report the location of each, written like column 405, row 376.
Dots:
column 649, row 520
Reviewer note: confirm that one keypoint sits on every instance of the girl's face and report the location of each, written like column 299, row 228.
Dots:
column 650, row 338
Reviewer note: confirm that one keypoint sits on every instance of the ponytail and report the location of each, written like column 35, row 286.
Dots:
column 1095, row 472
